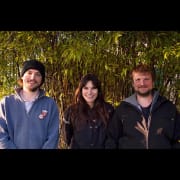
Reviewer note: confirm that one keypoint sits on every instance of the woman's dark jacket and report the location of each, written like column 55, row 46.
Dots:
column 91, row 136
column 164, row 128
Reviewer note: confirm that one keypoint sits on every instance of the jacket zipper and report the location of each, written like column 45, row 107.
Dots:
column 148, row 126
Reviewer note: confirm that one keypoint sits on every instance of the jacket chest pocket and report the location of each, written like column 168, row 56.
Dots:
column 165, row 125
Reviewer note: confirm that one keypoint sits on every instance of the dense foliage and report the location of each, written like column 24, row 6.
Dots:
column 68, row 55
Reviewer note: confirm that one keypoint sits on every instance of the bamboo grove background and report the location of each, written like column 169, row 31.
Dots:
column 68, row 55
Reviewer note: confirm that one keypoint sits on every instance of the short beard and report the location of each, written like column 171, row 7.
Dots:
column 144, row 94
column 35, row 89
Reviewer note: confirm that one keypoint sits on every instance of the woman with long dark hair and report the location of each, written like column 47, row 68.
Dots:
column 86, row 120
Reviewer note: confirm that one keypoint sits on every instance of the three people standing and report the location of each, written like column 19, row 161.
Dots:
column 145, row 120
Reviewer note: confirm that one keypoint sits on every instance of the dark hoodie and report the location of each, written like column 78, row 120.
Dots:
column 163, row 125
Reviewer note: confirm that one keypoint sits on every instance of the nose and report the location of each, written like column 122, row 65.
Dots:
column 32, row 75
column 142, row 82
column 89, row 91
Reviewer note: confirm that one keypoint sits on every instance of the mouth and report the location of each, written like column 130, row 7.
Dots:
column 32, row 82
column 89, row 97
column 142, row 87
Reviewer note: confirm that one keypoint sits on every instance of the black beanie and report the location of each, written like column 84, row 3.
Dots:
column 34, row 64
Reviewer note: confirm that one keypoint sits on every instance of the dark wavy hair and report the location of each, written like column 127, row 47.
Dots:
column 80, row 108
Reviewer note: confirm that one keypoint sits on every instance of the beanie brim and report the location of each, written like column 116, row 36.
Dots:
column 33, row 64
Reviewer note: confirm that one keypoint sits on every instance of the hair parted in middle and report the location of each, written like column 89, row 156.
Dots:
column 96, row 82
column 81, row 108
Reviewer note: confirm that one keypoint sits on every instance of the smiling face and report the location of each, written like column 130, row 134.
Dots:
column 142, row 83
column 32, row 79
column 90, row 93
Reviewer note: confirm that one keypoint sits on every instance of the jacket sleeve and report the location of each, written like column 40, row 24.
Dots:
column 114, row 131
column 177, row 131
column 52, row 138
column 67, row 127
column 5, row 140
column 110, row 111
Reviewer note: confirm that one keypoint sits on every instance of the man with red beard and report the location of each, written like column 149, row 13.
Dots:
column 145, row 120
column 29, row 119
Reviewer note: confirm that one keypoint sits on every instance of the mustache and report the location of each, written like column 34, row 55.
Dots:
column 32, row 81
column 142, row 86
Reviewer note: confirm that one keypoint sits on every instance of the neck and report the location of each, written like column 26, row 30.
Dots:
column 29, row 95
column 91, row 105
column 144, row 101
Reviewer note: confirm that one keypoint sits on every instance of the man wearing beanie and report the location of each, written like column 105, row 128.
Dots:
column 29, row 119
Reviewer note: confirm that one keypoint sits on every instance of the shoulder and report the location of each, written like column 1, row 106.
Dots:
column 109, row 106
column 68, row 112
column 7, row 98
column 70, row 108
column 48, row 100
column 166, row 105
column 122, row 105
column 163, row 99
